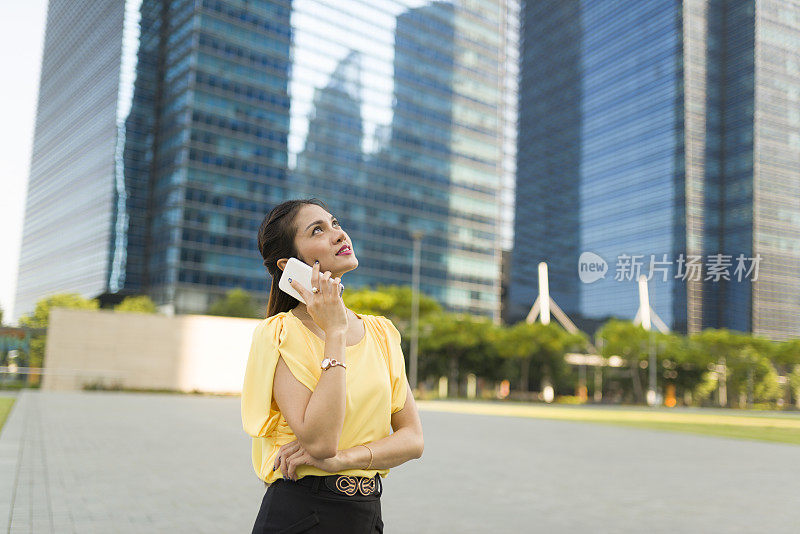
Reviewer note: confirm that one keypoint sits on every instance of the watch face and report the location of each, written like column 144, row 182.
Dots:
column 326, row 362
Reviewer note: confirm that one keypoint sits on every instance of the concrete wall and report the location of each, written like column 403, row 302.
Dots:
column 133, row 350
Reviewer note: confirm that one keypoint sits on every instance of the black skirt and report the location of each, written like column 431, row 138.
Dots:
column 289, row 508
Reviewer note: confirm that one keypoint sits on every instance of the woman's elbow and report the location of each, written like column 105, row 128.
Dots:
column 420, row 447
column 327, row 453
column 322, row 451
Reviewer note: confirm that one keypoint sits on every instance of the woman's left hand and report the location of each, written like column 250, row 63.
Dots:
column 292, row 454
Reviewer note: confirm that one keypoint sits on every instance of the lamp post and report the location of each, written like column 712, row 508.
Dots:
column 644, row 306
column 417, row 236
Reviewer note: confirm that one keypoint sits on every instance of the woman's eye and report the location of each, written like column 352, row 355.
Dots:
column 320, row 228
column 315, row 229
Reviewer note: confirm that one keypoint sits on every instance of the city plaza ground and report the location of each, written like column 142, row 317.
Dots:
column 134, row 462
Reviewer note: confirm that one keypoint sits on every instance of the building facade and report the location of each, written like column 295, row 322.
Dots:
column 662, row 137
column 205, row 114
column 68, row 226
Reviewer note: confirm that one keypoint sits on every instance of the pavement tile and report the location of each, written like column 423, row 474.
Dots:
column 121, row 462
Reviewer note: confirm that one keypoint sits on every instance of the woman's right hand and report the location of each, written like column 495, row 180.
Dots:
column 325, row 306
column 292, row 455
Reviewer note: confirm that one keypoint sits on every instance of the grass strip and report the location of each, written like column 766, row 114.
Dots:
column 780, row 429
column 5, row 408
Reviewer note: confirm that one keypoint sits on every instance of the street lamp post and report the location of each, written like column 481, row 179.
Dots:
column 417, row 236
column 644, row 307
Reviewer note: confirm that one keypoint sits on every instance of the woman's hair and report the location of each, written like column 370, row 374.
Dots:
column 276, row 241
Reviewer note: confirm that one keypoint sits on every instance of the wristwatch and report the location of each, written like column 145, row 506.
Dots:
column 327, row 363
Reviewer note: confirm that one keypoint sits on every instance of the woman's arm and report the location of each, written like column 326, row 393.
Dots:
column 406, row 443
column 317, row 417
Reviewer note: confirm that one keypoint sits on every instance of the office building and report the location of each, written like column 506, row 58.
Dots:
column 166, row 130
column 656, row 133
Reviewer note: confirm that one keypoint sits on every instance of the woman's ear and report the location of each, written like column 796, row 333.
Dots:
column 282, row 263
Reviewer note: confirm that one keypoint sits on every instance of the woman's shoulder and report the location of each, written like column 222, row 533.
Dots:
column 386, row 327
column 383, row 321
column 284, row 322
column 375, row 318
column 272, row 322
column 278, row 327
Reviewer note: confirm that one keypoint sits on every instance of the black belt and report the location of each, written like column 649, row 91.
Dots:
column 344, row 484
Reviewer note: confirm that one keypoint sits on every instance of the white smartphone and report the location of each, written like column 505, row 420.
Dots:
column 300, row 271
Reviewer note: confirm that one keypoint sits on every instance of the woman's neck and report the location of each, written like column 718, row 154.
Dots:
column 301, row 312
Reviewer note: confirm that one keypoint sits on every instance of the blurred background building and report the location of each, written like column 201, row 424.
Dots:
column 653, row 128
column 166, row 130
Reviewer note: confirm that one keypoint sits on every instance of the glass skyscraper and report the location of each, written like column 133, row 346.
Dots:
column 167, row 129
column 85, row 90
column 655, row 133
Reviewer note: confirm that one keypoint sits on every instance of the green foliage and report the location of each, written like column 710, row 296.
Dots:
column 568, row 399
column 624, row 339
column 236, row 303
column 787, row 354
column 455, row 345
column 689, row 362
column 794, row 382
column 136, row 304
column 448, row 339
column 393, row 302
column 41, row 313
column 539, row 350
column 40, row 318
column 5, row 409
column 750, row 375
column 705, row 387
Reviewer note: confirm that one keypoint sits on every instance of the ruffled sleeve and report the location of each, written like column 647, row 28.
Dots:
column 397, row 365
column 260, row 414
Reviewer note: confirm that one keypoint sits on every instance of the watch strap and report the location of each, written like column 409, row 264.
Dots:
column 327, row 363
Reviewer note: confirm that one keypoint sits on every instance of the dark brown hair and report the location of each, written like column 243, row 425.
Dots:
column 276, row 241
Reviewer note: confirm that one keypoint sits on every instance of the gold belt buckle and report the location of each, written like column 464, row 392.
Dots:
column 349, row 485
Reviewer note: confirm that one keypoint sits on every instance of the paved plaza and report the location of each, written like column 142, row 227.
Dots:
column 125, row 462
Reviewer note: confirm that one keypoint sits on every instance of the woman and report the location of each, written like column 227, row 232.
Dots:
column 321, row 429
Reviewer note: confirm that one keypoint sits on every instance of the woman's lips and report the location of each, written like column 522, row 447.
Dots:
column 345, row 252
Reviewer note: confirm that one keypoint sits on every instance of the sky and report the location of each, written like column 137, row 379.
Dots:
column 22, row 24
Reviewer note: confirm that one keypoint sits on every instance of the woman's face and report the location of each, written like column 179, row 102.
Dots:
column 320, row 237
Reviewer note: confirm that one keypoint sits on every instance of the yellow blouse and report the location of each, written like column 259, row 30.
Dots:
column 375, row 379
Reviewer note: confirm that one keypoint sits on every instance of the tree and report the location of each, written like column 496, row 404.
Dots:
column 449, row 338
column 236, row 303
column 787, row 360
column 794, row 384
column 746, row 361
column 787, row 354
column 683, row 364
column 483, row 358
column 391, row 301
column 541, row 346
column 630, row 342
column 753, row 375
column 137, row 304
column 717, row 346
column 40, row 318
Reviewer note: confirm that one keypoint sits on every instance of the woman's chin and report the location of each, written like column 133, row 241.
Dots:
column 354, row 264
